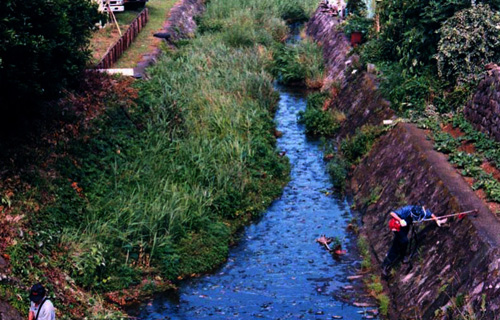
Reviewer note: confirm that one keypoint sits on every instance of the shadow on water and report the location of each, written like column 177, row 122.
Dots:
column 278, row 271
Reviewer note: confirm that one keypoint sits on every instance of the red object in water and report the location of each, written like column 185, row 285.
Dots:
column 461, row 216
column 356, row 38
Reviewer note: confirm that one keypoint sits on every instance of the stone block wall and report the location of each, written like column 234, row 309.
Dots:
column 357, row 95
column 323, row 28
column 459, row 262
column 483, row 111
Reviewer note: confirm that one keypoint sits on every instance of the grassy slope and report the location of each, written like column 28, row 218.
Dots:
column 155, row 190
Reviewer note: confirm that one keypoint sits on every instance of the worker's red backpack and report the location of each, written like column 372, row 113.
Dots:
column 394, row 225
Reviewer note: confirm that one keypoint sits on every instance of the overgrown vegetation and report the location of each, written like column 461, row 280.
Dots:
column 356, row 23
column 299, row 63
column 318, row 121
column 468, row 41
column 470, row 164
column 355, row 147
column 422, row 52
column 155, row 189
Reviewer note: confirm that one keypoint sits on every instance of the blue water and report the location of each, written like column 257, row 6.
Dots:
column 277, row 270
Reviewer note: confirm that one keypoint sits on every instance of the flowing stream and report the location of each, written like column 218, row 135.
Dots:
column 277, row 270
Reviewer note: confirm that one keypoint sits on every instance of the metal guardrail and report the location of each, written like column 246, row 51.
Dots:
column 116, row 51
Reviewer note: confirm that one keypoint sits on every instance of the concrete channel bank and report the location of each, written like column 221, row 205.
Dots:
column 455, row 275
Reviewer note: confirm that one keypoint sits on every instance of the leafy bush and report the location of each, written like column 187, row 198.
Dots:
column 293, row 11
column 338, row 170
column 356, row 7
column 469, row 40
column 355, row 23
column 318, row 122
column 407, row 91
column 298, row 63
column 409, row 29
column 43, row 50
column 355, row 147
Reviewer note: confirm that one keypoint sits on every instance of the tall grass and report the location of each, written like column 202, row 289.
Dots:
column 169, row 196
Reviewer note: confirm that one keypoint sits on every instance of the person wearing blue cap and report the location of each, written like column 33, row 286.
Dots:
column 401, row 220
column 41, row 308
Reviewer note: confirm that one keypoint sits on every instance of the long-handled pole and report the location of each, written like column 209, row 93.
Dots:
column 449, row 215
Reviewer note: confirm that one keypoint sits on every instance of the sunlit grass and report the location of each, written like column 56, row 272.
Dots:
column 205, row 162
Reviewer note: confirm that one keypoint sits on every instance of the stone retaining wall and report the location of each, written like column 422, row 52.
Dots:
column 460, row 260
column 483, row 111
column 357, row 95
column 457, row 267
column 323, row 28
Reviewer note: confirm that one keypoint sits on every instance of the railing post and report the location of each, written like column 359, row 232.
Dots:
column 125, row 41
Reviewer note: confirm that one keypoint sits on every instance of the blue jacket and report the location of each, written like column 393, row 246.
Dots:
column 413, row 213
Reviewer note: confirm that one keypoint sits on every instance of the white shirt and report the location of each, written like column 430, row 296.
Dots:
column 46, row 313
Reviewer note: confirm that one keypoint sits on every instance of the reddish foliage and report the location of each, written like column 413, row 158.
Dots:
column 490, row 168
column 454, row 132
column 96, row 93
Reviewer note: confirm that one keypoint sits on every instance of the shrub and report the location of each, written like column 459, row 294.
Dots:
column 318, row 122
column 408, row 91
column 357, row 7
column 409, row 29
column 469, row 40
column 43, row 50
column 298, row 64
column 338, row 170
column 355, row 23
column 354, row 148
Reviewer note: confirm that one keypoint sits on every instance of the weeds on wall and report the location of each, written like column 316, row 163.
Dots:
column 355, row 147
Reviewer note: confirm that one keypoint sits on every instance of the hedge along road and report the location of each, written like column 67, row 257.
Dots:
column 277, row 271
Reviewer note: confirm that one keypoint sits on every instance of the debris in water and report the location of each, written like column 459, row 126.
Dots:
column 347, row 287
column 363, row 305
column 373, row 311
column 324, row 241
column 351, row 278
column 337, row 317
column 338, row 250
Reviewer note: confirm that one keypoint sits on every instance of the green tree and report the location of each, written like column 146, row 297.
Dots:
column 357, row 7
column 409, row 28
column 469, row 40
column 44, row 48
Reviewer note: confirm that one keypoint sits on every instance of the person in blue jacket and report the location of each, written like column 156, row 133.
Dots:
column 405, row 216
